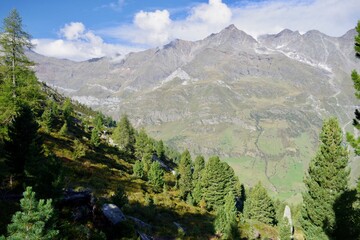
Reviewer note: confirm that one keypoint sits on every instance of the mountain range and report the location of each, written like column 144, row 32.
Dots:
column 257, row 103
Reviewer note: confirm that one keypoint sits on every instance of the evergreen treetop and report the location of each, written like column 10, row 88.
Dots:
column 326, row 180
column 185, row 181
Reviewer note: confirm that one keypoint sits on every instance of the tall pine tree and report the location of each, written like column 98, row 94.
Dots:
column 218, row 179
column 185, row 181
column 225, row 221
column 259, row 206
column 326, row 180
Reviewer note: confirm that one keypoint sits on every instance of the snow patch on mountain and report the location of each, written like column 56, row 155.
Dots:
column 101, row 86
column 303, row 59
column 93, row 101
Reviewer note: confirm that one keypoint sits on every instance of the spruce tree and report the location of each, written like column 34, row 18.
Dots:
column 326, row 180
column 284, row 229
column 225, row 221
column 33, row 221
column 156, row 176
column 124, row 135
column 259, row 206
column 185, row 181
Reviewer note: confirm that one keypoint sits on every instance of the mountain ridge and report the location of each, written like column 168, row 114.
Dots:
column 251, row 101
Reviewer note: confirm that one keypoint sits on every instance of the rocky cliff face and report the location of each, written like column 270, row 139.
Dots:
column 258, row 103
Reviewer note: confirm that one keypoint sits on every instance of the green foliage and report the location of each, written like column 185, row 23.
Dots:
column 197, row 192
column 160, row 151
column 156, row 176
column 32, row 222
column 64, row 130
column 199, row 165
column 18, row 83
column 357, row 40
column 326, row 180
column 259, row 206
column 124, row 135
column 225, row 221
column 142, row 144
column 120, row 198
column 98, row 121
column 185, row 181
column 284, row 229
column 23, row 144
column 138, row 169
column 218, row 179
column 95, row 138
column 67, row 111
column 79, row 149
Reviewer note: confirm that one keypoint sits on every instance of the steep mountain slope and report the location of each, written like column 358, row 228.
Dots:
column 260, row 103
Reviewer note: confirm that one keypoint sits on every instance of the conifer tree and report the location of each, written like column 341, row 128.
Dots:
column 138, row 169
column 141, row 142
column 23, row 144
column 185, row 181
column 155, row 176
column 225, row 221
column 326, row 180
column 18, row 85
column 95, row 138
column 355, row 142
column 284, row 229
column 217, row 180
column 160, row 151
column 124, row 135
column 199, row 165
column 259, row 206
column 32, row 222
column 79, row 149
column 67, row 111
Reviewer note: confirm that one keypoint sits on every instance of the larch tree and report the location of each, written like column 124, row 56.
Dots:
column 156, row 176
column 18, row 83
column 185, row 181
column 259, row 206
column 326, row 180
column 124, row 135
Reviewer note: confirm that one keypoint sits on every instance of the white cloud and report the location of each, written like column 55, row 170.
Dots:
column 79, row 44
column 73, row 31
column 332, row 17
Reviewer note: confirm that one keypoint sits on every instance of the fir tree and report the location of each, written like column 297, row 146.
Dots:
column 326, row 180
column 64, row 129
column 217, row 180
column 225, row 221
column 32, row 222
column 155, row 176
column 124, row 135
column 259, row 206
column 47, row 120
column 185, row 181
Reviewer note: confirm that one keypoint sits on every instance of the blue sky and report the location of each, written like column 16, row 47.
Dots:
column 83, row 29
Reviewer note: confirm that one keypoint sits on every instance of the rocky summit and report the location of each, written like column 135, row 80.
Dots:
column 258, row 103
